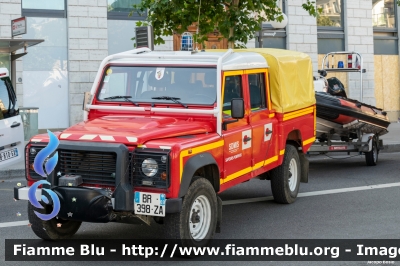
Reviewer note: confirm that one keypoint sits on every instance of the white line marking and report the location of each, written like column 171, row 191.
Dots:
column 315, row 193
column 131, row 139
column 88, row 137
column 65, row 136
column 165, row 147
column 109, row 138
column 10, row 224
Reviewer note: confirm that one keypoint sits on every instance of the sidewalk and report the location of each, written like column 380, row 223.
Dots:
column 391, row 143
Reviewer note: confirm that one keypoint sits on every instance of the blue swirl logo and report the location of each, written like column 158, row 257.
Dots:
column 42, row 158
column 43, row 165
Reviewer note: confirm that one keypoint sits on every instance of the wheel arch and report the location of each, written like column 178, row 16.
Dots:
column 294, row 138
column 204, row 165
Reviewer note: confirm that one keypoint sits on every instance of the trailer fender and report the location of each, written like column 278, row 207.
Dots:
column 367, row 140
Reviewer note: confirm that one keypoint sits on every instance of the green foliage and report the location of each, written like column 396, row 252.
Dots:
column 324, row 21
column 310, row 7
column 236, row 20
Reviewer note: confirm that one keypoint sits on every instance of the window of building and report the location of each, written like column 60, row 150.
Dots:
column 120, row 9
column 271, row 37
column 385, row 26
column 257, row 91
column 44, row 8
column 330, row 26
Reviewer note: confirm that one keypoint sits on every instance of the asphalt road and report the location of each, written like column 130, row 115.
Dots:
column 344, row 199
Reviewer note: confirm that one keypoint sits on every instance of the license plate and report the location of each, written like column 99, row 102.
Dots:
column 152, row 204
column 336, row 148
column 5, row 155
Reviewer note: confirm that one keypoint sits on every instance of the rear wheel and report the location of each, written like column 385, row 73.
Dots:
column 371, row 157
column 196, row 223
column 285, row 179
column 52, row 229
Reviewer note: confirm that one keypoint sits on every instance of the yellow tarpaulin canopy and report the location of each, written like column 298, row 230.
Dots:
column 291, row 78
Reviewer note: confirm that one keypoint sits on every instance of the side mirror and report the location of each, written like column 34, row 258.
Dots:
column 87, row 99
column 237, row 105
column 237, row 112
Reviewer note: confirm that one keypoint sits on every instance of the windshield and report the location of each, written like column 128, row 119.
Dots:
column 144, row 84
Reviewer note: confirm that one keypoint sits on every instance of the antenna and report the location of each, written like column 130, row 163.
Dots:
column 197, row 30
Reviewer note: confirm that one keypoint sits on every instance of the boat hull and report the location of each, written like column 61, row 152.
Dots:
column 344, row 117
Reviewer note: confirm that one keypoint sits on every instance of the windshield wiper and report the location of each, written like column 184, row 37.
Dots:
column 174, row 99
column 125, row 97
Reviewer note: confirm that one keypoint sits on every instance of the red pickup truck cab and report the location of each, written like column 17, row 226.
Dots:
column 165, row 132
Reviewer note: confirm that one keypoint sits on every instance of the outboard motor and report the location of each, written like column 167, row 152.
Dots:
column 320, row 83
column 336, row 88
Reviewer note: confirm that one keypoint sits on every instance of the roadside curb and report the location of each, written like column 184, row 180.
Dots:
column 388, row 148
column 11, row 173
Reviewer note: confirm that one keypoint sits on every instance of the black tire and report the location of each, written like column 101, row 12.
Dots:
column 48, row 230
column 371, row 157
column 280, row 177
column 177, row 224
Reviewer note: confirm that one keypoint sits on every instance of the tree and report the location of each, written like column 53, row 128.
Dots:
column 236, row 20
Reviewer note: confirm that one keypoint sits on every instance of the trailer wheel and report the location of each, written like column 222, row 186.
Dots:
column 52, row 229
column 371, row 157
column 285, row 179
column 196, row 223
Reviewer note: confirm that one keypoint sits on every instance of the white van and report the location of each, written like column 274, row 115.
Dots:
column 11, row 127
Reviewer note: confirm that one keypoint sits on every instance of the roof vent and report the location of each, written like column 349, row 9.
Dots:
column 144, row 37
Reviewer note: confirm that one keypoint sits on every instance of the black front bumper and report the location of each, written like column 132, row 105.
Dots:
column 89, row 204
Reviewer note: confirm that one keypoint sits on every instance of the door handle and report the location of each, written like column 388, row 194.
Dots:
column 246, row 139
column 267, row 132
column 15, row 125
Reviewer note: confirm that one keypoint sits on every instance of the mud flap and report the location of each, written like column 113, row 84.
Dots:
column 305, row 165
column 368, row 140
column 219, row 215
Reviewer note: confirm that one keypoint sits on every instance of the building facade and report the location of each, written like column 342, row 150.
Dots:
column 78, row 34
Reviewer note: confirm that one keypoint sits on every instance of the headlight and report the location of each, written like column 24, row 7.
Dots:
column 149, row 167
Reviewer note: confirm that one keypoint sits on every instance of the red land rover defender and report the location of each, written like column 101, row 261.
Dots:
column 165, row 132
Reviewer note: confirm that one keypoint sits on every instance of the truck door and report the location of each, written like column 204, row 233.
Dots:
column 261, row 118
column 11, row 128
column 237, row 136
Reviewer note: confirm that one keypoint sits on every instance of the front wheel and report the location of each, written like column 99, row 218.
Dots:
column 285, row 179
column 196, row 223
column 52, row 229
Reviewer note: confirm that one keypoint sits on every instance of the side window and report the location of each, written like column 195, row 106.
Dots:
column 257, row 91
column 5, row 101
column 232, row 89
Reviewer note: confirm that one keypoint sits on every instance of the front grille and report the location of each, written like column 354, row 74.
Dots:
column 31, row 159
column 96, row 168
column 137, row 176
